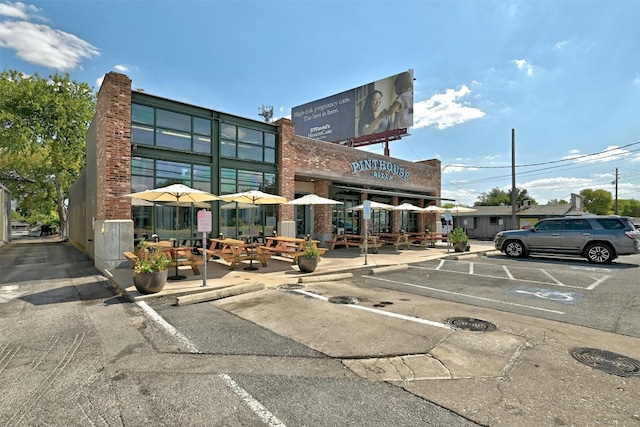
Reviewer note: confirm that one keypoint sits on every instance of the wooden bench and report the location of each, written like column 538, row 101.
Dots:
column 235, row 251
column 293, row 252
column 192, row 262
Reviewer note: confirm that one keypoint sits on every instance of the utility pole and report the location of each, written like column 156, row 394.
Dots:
column 513, row 180
column 616, row 183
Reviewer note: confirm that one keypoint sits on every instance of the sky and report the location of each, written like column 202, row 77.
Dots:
column 562, row 76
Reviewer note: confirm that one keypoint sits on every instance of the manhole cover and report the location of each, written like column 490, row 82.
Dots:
column 607, row 361
column 343, row 300
column 470, row 324
column 289, row 287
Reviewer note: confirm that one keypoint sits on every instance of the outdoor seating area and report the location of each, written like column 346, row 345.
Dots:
column 289, row 247
column 235, row 251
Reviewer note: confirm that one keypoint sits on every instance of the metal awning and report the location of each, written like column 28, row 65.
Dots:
column 392, row 193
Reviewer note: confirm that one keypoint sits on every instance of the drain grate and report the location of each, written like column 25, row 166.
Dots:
column 344, row 300
column 470, row 324
column 289, row 287
column 607, row 361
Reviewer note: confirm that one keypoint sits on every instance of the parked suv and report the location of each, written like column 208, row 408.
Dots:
column 600, row 239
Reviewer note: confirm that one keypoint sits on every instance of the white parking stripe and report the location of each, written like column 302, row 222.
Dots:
column 376, row 311
column 470, row 268
column 552, row 278
column 597, row 282
column 507, row 272
column 498, row 277
column 168, row 327
column 468, row 296
column 440, row 265
column 267, row 417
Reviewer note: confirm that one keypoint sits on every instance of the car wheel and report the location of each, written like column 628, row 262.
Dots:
column 514, row 249
column 599, row 253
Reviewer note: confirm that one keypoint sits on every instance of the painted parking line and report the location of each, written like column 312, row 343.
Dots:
column 509, row 275
column 563, row 297
column 376, row 311
column 466, row 295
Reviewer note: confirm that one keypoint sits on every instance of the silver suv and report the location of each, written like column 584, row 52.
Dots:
column 600, row 239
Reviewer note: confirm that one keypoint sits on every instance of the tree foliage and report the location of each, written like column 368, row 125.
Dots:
column 498, row 197
column 43, row 128
column 597, row 202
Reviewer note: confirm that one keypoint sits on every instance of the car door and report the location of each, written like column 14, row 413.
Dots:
column 546, row 236
column 575, row 234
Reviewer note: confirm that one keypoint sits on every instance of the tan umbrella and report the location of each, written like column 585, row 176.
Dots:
column 374, row 205
column 406, row 207
column 254, row 197
column 178, row 193
column 433, row 209
column 313, row 199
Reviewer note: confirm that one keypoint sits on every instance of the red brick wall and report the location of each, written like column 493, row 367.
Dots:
column 113, row 148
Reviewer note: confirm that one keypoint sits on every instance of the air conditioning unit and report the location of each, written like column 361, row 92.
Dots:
column 526, row 203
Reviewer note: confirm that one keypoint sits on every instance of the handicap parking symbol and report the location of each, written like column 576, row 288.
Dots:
column 563, row 297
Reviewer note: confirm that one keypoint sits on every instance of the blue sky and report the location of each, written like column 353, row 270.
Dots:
column 564, row 74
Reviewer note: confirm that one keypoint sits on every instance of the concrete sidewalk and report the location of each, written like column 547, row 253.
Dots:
column 281, row 271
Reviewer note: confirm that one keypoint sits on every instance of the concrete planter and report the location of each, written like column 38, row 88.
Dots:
column 150, row 283
column 307, row 264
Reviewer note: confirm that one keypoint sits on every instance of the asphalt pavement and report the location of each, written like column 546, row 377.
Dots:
column 75, row 351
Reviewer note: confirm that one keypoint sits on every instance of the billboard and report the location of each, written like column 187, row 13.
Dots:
column 371, row 109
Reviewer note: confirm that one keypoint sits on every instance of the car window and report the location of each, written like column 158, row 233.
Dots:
column 611, row 223
column 577, row 224
column 549, row 225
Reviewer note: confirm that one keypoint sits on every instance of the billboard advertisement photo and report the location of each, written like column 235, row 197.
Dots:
column 371, row 109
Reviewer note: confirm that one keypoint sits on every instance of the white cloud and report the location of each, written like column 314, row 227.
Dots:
column 444, row 110
column 40, row 44
column 122, row 68
column 17, row 10
column 525, row 65
column 610, row 153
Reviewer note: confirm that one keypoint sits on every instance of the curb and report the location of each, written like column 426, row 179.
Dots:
column 325, row 278
column 218, row 294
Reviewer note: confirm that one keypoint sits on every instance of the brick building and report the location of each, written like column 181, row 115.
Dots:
column 139, row 141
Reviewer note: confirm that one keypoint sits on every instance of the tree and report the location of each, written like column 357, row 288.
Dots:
column 43, row 129
column 497, row 197
column 596, row 201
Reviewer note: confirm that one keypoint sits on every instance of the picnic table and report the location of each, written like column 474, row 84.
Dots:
column 288, row 246
column 234, row 251
column 398, row 240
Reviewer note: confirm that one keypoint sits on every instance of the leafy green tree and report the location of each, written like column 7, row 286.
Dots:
column 597, row 202
column 629, row 207
column 43, row 128
column 557, row 202
column 498, row 197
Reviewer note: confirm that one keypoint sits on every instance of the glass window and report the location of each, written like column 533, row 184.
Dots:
column 141, row 166
column 269, row 155
column 141, row 134
column 141, row 183
column 228, row 131
column 202, row 126
column 172, row 139
column 142, row 114
column 201, row 173
column 171, row 120
column 610, row 223
column 270, row 140
column 173, row 172
column 249, row 135
column 202, row 144
column 249, row 152
column 227, row 148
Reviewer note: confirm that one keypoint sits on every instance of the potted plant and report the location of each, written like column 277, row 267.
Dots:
column 308, row 261
column 459, row 239
column 150, row 269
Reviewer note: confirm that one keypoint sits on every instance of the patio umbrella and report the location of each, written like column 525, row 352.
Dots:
column 177, row 193
column 254, row 197
column 406, row 207
column 433, row 209
column 374, row 205
column 313, row 199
